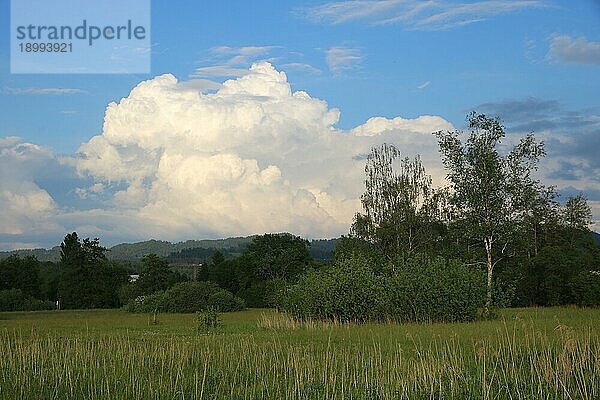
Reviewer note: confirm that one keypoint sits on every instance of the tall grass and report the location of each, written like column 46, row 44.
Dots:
column 281, row 358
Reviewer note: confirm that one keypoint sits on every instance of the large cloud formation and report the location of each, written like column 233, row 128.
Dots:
column 26, row 209
column 176, row 163
column 252, row 157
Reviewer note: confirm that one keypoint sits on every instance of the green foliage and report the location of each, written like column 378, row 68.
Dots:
column 577, row 213
column 224, row 301
column 217, row 258
column 49, row 277
column 347, row 291
column 491, row 192
column 554, row 276
column 88, row 279
column 399, row 203
column 433, row 289
column 586, row 288
column 156, row 275
column 275, row 292
column 322, row 249
column 20, row 273
column 350, row 246
column 17, row 300
column 224, row 274
column 271, row 256
column 187, row 297
column 417, row 288
column 259, row 274
column 208, row 320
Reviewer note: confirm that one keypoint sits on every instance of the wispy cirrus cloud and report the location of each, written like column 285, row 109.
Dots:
column 228, row 61
column 340, row 59
column 247, row 51
column 234, row 61
column 41, row 91
column 415, row 15
column 217, row 71
column 303, row 67
column 570, row 50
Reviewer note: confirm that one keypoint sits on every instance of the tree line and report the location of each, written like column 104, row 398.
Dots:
column 494, row 236
column 495, row 214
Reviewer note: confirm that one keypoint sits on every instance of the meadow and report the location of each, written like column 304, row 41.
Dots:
column 533, row 353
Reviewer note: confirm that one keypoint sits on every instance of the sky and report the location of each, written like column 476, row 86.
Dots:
column 256, row 116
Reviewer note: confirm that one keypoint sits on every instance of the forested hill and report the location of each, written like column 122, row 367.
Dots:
column 181, row 252
column 597, row 237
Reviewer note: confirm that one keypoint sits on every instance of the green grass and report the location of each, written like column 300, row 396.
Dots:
column 535, row 353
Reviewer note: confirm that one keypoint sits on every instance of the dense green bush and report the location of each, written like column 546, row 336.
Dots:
column 223, row 300
column 347, row 291
column 415, row 289
column 17, row 300
column 187, row 297
column 586, row 289
column 421, row 288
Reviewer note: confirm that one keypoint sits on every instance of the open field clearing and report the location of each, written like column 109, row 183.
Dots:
column 550, row 353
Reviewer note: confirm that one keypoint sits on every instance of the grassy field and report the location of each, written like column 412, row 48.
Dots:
column 536, row 353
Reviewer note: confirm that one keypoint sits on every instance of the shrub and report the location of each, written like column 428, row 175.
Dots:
column 275, row 292
column 208, row 320
column 417, row 288
column 223, row 300
column 17, row 300
column 254, row 295
column 434, row 289
column 187, row 297
column 586, row 288
column 150, row 303
column 347, row 291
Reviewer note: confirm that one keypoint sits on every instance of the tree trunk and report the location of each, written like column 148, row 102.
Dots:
column 490, row 269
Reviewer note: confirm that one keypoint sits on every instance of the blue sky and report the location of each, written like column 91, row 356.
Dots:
column 534, row 63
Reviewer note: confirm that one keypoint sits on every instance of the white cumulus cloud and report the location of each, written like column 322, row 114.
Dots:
column 24, row 206
column 252, row 157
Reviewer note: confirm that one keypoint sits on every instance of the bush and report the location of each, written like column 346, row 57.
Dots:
column 415, row 289
column 17, row 300
column 223, row 301
column 254, row 295
column 586, row 288
column 347, row 291
column 187, row 297
column 208, row 320
column 275, row 290
column 425, row 289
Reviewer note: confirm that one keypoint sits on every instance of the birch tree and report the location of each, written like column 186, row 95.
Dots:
column 399, row 203
column 489, row 187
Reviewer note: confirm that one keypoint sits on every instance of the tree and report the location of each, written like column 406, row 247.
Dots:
column 156, row 275
column 269, row 262
column 576, row 217
column 87, row 279
column 20, row 273
column 489, row 189
column 282, row 256
column 399, row 203
column 577, row 214
column 217, row 258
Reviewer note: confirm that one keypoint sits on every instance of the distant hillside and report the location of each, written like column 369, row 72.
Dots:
column 597, row 237
column 43, row 255
column 322, row 249
column 190, row 251
column 135, row 251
